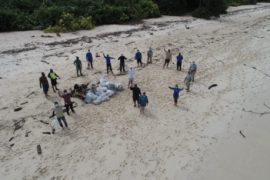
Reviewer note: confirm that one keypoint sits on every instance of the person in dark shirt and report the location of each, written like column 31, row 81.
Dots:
column 136, row 94
column 89, row 58
column 138, row 57
column 78, row 64
column 108, row 59
column 122, row 59
column 179, row 60
column 43, row 82
column 67, row 99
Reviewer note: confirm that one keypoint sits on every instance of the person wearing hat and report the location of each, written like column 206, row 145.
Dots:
column 122, row 59
column 89, row 59
column 78, row 65
column 53, row 76
column 176, row 92
column 58, row 112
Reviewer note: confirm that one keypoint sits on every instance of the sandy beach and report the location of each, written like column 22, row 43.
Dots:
column 219, row 133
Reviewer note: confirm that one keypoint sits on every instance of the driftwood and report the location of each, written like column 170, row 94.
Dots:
column 242, row 134
column 44, row 122
column 260, row 71
column 18, row 109
column 39, row 151
column 30, row 94
column 213, row 85
column 18, row 125
column 259, row 113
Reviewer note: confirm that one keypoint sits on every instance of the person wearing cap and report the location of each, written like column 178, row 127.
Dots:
column 149, row 56
column 67, row 100
column 187, row 80
column 131, row 76
column 193, row 70
column 176, row 92
column 138, row 57
column 122, row 59
column 108, row 59
column 43, row 82
column 58, row 112
column 89, row 59
column 143, row 101
column 179, row 60
column 78, row 65
column 53, row 76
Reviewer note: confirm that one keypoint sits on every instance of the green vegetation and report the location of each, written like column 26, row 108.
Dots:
column 72, row 15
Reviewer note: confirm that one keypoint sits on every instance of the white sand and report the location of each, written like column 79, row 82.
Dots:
column 198, row 140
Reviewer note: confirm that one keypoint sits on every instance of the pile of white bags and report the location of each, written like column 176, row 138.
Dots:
column 103, row 92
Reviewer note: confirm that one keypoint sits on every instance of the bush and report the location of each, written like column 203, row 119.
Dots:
column 68, row 23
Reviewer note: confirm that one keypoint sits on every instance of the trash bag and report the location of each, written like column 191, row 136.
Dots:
column 110, row 93
column 103, row 92
column 55, row 124
column 90, row 97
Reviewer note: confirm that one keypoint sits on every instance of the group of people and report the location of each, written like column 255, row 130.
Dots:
column 140, row 99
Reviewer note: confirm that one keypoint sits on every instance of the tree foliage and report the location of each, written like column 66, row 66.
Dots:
column 70, row 15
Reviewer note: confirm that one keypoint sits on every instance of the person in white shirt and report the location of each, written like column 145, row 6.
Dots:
column 131, row 76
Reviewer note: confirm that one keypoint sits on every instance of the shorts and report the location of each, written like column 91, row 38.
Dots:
column 139, row 61
column 167, row 61
column 54, row 82
column 136, row 98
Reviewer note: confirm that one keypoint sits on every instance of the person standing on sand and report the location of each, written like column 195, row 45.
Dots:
column 136, row 92
column 149, row 56
column 187, row 80
column 138, row 57
column 53, row 76
column 89, row 59
column 122, row 59
column 168, row 58
column 58, row 112
column 108, row 63
column 179, row 60
column 43, row 82
column 131, row 76
column 193, row 70
column 78, row 64
column 143, row 101
column 67, row 99
column 176, row 92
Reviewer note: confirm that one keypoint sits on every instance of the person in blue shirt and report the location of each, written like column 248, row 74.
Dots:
column 176, row 92
column 143, row 101
column 179, row 60
column 108, row 62
column 192, row 70
column 138, row 57
column 89, row 59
